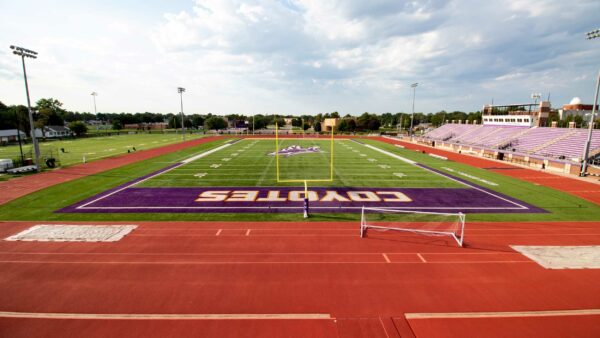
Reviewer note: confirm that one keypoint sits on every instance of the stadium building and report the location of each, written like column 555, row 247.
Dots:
column 519, row 133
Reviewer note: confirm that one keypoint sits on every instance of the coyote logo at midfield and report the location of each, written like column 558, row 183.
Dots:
column 295, row 150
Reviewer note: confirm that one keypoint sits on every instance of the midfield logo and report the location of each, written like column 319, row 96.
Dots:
column 296, row 150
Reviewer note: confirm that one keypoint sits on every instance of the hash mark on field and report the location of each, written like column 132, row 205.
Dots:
column 421, row 257
column 384, row 166
column 371, row 160
column 387, row 259
column 226, row 159
column 215, row 166
column 200, row 174
column 399, row 174
column 363, row 155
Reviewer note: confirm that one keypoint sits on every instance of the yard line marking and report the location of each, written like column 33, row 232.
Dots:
column 421, row 257
column 549, row 313
column 218, row 232
column 386, row 258
column 164, row 316
column 248, row 232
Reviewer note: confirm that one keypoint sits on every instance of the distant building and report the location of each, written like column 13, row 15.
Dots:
column 53, row 132
column 575, row 108
column 147, row 126
column 288, row 120
column 524, row 115
column 329, row 124
column 10, row 135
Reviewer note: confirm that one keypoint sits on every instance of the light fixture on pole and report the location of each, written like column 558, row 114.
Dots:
column 23, row 53
column 94, row 94
column 535, row 97
column 586, row 152
column 181, row 90
column 412, row 116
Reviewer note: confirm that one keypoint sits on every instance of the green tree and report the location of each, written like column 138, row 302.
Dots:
column 215, row 123
column 343, row 125
column 116, row 125
column 78, row 127
column 317, row 127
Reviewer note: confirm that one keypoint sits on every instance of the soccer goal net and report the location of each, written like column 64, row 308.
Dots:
column 422, row 223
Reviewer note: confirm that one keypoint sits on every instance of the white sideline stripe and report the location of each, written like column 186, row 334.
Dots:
column 447, row 177
column 390, row 154
column 550, row 313
column 166, row 316
column 157, row 174
column 206, row 153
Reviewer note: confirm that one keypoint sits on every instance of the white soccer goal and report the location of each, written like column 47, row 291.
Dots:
column 424, row 223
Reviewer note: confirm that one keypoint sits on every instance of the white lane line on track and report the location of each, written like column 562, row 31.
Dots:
column 549, row 313
column 164, row 316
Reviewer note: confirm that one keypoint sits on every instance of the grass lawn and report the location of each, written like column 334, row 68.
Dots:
column 253, row 166
column 94, row 148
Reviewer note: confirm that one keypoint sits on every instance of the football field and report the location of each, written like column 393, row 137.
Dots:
column 253, row 175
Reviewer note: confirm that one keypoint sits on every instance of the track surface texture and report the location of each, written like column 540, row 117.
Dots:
column 21, row 186
column 579, row 188
column 244, row 279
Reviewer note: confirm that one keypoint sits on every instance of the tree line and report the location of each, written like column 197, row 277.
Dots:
column 50, row 111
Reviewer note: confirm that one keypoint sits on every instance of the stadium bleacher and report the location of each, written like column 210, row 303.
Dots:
column 559, row 143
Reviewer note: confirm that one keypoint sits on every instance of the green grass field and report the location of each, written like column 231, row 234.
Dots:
column 248, row 163
column 253, row 166
column 94, row 148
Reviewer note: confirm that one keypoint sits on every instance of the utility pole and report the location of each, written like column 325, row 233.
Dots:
column 23, row 53
column 181, row 90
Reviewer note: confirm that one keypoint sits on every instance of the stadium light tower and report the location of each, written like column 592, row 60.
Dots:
column 586, row 152
column 181, row 90
column 94, row 94
column 23, row 53
column 535, row 97
column 412, row 116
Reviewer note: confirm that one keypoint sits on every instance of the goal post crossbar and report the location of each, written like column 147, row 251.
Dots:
column 458, row 236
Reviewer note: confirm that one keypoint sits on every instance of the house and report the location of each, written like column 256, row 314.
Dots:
column 329, row 123
column 10, row 135
column 53, row 132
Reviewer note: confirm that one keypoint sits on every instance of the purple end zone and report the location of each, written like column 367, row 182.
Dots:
column 290, row 199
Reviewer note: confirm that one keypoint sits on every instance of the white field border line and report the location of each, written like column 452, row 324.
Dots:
column 448, row 177
column 549, row 313
column 324, row 208
column 206, row 153
column 166, row 316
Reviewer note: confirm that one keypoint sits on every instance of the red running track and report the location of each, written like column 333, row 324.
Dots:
column 219, row 279
column 586, row 190
column 21, row 186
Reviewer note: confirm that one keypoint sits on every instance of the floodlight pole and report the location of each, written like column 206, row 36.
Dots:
column 412, row 116
column 19, row 136
column 586, row 152
column 24, row 52
column 94, row 94
column 180, row 90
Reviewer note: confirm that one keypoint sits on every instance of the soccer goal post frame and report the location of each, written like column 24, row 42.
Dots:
column 458, row 237
column 304, row 181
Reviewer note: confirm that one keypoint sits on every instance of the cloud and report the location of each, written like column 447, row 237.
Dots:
column 314, row 55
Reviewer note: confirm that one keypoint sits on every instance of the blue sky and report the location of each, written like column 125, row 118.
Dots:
column 299, row 56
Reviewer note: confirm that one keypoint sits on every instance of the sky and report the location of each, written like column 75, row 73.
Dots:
column 299, row 56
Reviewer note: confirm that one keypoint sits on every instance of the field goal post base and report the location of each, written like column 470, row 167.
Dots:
column 457, row 235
